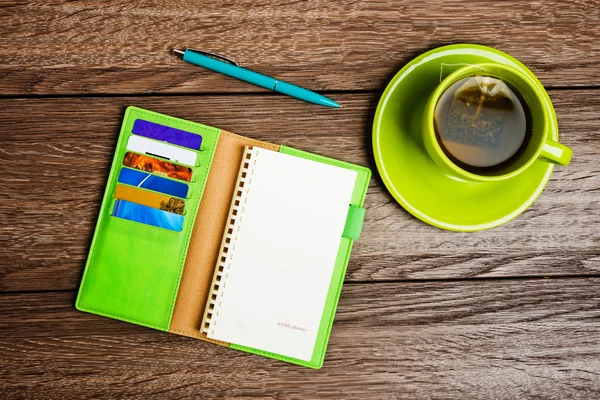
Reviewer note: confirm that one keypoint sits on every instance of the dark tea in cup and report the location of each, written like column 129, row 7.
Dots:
column 481, row 124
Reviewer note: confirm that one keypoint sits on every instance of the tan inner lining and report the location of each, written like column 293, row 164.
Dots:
column 207, row 234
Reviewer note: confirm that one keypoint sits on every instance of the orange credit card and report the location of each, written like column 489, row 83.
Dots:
column 157, row 167
column 150, row 199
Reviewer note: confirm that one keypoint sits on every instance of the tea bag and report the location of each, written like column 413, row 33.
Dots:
column 479, row 89
column 480, row 121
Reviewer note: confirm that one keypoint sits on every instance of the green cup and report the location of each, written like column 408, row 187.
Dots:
column 540, row 146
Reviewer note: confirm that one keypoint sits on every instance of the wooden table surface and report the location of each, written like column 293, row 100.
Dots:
column 513, row 312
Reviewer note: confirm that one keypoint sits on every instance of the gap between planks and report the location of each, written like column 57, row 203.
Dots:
column 258, row 92
column 375, row 282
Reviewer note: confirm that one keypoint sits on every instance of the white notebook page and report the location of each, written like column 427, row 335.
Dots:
column 283, row 254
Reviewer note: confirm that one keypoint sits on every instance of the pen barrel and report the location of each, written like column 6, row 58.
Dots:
column 304, row 94
column 230, row 70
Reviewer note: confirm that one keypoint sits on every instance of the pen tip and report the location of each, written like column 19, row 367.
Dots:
column 178, row 53
column 328, row 102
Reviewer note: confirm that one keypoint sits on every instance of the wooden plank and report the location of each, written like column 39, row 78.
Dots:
column 112, row 46
column 471, row 339
column 55, row 155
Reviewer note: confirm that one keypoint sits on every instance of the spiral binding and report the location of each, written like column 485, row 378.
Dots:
column 234, row 219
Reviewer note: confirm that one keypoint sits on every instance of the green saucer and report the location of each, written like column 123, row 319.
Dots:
column 414, row 180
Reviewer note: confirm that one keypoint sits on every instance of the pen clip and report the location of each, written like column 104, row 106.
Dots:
column 215, row 55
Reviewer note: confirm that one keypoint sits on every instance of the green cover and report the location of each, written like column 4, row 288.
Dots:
column 339, row 271
column 133, row 270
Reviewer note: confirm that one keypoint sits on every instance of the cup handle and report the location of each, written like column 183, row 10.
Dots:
column 556, row 153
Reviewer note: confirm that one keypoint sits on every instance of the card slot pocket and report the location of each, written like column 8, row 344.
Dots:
column 189, row 196
column 156, row 165
column 157, row 175
column 136, row 272
column 145, row 225
column 200, row 150
column 147, row 215
column 167, row 151
column 150, row 198
column 159, row 157
column 150, row 181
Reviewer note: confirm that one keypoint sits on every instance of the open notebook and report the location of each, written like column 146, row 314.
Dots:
column 223, row 238
column 286, row 224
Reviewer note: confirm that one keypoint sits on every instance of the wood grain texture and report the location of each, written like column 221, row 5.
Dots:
column 424, row 313
column 446, row 340
column 54, row 164
column 124, row 47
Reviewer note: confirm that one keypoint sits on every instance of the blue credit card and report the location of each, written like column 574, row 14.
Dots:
column 148, row 215
column 153, row 182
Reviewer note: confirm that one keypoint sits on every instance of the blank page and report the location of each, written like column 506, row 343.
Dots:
column 280, row 258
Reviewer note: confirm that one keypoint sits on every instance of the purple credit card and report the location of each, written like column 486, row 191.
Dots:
column 167, row 134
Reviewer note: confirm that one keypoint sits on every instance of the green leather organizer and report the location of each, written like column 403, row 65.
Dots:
column 133, row 270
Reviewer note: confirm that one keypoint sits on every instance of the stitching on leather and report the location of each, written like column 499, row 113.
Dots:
column 276, row 356
column 121, row 136
column 199, row 337
column 194, row 334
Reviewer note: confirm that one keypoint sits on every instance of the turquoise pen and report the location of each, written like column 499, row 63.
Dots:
column 225, row 66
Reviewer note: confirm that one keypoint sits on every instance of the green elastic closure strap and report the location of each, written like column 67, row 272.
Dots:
column 354, row 222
